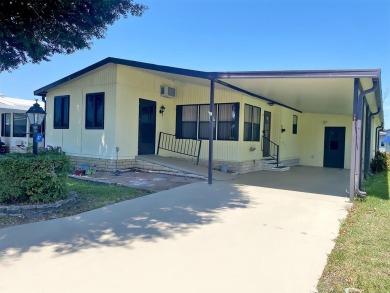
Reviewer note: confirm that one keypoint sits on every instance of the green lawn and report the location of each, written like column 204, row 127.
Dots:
column 361, row 257
column 91, row 196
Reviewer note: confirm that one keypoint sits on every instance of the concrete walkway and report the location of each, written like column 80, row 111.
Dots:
column 184, row 166
column 232, row 236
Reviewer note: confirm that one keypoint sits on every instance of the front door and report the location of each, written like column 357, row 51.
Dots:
column 146, row 127
column 266, row 133
column 334, row 147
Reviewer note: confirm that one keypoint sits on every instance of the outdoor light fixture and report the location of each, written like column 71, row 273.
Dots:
column 271, row 104
column 35, row 116
column 162, row 110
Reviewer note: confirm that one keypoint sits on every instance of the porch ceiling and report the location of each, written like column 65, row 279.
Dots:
column 313, row 95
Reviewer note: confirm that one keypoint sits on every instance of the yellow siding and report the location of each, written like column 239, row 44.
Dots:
column 134, row 84
column 124, row 86
column 289, row 142
column 77, row 140
column 312, row 128
column 246, row 147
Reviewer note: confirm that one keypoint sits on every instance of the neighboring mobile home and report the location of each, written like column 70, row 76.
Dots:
column 384, row 141
column 16, row 132
column 116, row 109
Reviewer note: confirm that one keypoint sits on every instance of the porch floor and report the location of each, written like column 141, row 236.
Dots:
column 317, row 180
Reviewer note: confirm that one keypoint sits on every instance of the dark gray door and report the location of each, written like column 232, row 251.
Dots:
column 334, row 147
column 146, row 127
column 266, row 133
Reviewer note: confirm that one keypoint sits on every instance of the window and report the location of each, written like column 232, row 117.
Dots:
column 295, row 124
column 20, row 125
column 227, row 122
column 6, row 124
column 192, row 121
column 251, row 123
column 186, row 121
column 61, row 112
column 204, row 119
column 94, row 111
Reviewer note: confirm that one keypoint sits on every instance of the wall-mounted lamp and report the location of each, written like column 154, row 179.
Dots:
column 271, row 103
column 283, row 129
column 324, row 122
column 162, row 110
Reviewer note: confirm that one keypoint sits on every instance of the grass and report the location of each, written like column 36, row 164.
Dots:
column 361, row 256
column 91, row 196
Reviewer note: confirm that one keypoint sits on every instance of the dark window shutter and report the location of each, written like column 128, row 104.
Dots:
column 179, row 115
column 237, row 119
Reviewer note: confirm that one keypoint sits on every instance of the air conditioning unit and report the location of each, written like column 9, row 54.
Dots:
column 167, row 91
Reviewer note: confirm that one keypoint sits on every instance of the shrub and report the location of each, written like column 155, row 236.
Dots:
column 25, row 178
column 380, row 163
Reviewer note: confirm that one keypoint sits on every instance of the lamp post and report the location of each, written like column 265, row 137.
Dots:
column 35, row 116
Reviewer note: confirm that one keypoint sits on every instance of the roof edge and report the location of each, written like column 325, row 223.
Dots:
column 168, row 69
column 337, row 73
column 343, row 73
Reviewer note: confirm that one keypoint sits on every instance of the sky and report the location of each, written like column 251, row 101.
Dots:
column 234, row 35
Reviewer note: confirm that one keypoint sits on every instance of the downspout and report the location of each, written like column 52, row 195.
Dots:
column 367, row 143
column 378, row 128
column 376, row 131
column 357, row 139
column 211, row 132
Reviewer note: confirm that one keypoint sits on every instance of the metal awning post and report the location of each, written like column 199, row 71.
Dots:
column 211, row 131
column 356, row 145
column 367, row 147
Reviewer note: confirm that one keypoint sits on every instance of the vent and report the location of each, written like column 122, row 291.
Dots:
column 168, row 92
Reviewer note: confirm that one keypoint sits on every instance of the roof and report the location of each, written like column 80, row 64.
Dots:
column 328, row 90
column 387, row 139
column 15, row 105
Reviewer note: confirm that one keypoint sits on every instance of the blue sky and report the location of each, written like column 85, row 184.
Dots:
column 221, row 35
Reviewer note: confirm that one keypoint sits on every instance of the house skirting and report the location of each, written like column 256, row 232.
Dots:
column 249, row 166
column 111, row 165
column 234, row 167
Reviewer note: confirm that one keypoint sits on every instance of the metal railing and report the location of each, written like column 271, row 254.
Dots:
column 184, row 146
column 273, row 149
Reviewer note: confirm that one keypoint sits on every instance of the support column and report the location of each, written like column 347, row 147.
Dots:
column 356, row 145
column 211, row 132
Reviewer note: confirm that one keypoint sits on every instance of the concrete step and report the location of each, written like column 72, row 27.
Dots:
column 280, row 168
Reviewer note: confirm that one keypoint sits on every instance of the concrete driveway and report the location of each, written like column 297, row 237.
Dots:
column 232, row 236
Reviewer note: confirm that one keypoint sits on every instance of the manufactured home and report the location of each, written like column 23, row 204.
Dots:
column 115, row 110
column 16, row 133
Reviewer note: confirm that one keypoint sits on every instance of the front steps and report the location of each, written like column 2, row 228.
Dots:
column 270, row 165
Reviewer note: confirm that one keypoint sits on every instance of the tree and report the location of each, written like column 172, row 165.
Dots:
column 34, row 30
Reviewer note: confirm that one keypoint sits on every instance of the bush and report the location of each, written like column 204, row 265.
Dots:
column 25, row 178
column 380, row 163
